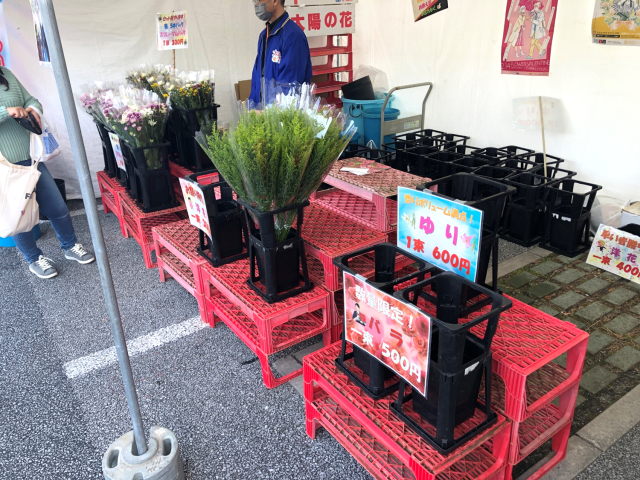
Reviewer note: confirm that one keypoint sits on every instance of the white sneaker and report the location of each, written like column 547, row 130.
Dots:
column 79, row 254
column 43, row 268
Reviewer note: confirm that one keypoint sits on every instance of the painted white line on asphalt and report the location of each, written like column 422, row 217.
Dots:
column 104, row 358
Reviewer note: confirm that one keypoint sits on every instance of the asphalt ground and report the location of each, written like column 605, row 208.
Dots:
column 620, row 462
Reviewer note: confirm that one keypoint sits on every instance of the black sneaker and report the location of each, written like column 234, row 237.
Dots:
column 43, row 268
column 79, row 254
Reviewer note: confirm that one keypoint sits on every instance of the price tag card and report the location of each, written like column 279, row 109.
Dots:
column 117, row 151
column 394, row 332
column 196, row 207
column 443, row 232
column 172, row 30
column 617, row 252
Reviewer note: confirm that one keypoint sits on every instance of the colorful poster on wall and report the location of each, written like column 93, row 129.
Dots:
column 41, row 39
column 390, row 330
column 196, row 207
column 424, row 8
column 5, row 58
column 616, row 22
column 617, row 252
column 117, row 151
column 317, row 21
column 528, row 35
column 445, row 233
column 172, row 32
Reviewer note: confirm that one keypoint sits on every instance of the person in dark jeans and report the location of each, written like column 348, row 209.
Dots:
column 16, row 102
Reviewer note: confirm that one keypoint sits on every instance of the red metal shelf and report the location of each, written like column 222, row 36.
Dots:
column 346, row 412
column 330, row 49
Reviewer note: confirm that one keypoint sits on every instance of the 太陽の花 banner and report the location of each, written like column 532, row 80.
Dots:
column 528, row 35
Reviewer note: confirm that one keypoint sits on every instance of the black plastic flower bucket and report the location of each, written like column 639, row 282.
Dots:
column 187, row 124
column 422, row 142
column 434, row 165
column 127, row 178
column 110, row 166
column 281, row 266
column 229, row 240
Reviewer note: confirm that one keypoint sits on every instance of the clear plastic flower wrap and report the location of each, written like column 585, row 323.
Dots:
column 277, row 157
column 194, row 91
column 150, row 77
column 89, row 99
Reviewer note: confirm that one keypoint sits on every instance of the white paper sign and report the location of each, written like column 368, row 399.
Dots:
column 117, row 151
column 318, row 21
column 196, row 208
column 172, row 30
column 526, row 114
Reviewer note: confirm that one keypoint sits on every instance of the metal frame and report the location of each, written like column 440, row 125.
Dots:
column 403, row 124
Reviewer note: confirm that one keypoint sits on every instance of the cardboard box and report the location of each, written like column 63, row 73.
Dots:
column 243, row 90
column 630, row 215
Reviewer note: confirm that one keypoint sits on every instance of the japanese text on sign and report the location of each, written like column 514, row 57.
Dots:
column 442, row 232
column 196, row 206
column 316, row 20
column 117, row 151
column 617, row 252
column 424, row 8
column 172, row 30
column 394, row 332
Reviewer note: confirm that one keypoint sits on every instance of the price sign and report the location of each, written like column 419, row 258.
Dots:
column 316, row 21
column 395, row 333
column 617, row 252
column 172, row 30
column 441, row 231
column 196, row 207
column 117, row 151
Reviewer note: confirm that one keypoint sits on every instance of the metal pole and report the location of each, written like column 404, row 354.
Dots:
column 82, row 168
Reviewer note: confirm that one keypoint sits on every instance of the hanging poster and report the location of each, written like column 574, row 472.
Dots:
column 617, row 252
column 394, row 332
column 196, row 207
column 315, row 21
column 445, row 233
column 616, row 22
column 172, row 30
column 5, row 58
column 424, row 8
column 41, row 39
column 528, row 35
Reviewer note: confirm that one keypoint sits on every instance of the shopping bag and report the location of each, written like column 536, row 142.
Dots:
column 19, row 211
column 44, row 147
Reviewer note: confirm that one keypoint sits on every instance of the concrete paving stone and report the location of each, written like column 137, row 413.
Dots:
column 636, row 309
column 637, row 340
column 561, row 360
column 610, row 276
column 580, row 454
column 548, row 310
column 504, row 288
column 619, row 296
column 632, row 285
column 306, row 351
column 569, row 276
column 516, row 263
column 521, row 279
column 596, row 379
column 577, row 323
column 625, row 358
column 586, row 267
column 540, row 252
column 598, row 341
column 524, row 299
column 543, row 289
column 565, row 260
column 622, row 324
column 594, row 285
column 567, row 300
column 547, row 267
column 594, row 311
column 580, row 400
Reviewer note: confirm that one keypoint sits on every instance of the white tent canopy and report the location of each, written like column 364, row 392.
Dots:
column 457, row 49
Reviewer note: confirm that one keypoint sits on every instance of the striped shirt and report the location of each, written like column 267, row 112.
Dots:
column 14, row 139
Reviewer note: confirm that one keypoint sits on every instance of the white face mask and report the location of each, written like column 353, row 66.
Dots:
column 261, row 12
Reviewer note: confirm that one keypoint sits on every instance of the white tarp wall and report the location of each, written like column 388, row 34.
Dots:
column 457, row 49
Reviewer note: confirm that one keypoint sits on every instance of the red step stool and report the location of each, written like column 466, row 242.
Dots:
column 380, row 441
column 110, row 191
column 275, row 326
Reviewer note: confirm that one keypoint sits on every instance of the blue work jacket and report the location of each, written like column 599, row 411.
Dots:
column 287, row 60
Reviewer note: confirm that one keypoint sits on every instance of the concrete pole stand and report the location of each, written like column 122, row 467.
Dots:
column 160, row 462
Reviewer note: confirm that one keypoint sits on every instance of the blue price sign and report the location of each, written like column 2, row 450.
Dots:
column 441, row 231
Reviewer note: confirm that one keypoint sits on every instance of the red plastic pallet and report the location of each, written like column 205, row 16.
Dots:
column 290, row 317
column 178, row 171
column 526, row 342
column 352, row 417
column 171, row 266
column 139, row 224
column 110, row 191
column 181, row 239
column 375, row 187
column 328, row 235
column 357, row 208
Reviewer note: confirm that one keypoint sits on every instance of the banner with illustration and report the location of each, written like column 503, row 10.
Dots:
column 616, row 22
column 528, row 35
column 394, row 332
column 617, row 252
column 41, row 39
column 5, row 58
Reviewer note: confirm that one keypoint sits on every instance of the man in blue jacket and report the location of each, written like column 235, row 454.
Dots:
column 283, row 50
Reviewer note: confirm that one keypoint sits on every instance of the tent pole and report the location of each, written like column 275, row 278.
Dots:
column 61, row 74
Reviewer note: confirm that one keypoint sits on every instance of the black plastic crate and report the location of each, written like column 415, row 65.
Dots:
column 379, row 156
column 434, row 165
column 469, row 164
column 566, row 228
column 538, row 157
column 477, row 192
column 110, row 165
column 510, row 151
column 494, row 172
column 229, row 240
column 153, row 188
column 462, row 149
column 422, row 142
column 190, row 153
column 459, row 360
column 127, row 178
column 451, row 140
column 282, row 266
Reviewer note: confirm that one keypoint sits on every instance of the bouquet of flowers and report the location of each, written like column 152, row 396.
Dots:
column 277, row 157
column 139, row 117
column 192, row 91
column 90, row 100
column 155, row 78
